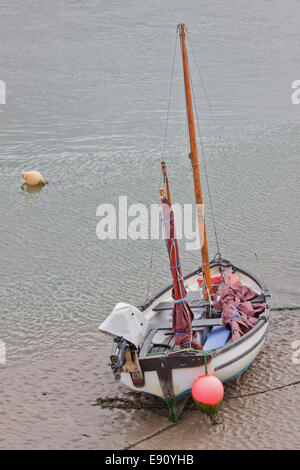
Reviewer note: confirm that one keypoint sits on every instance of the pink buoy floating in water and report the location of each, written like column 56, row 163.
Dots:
column 207, row 393
column 33, row 178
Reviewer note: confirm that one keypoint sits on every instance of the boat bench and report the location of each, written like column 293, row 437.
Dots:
column 196, row 323
column 166, row 335
column 208, row 329
column 199, row 303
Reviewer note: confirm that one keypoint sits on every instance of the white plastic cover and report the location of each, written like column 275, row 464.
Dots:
column 127, row 321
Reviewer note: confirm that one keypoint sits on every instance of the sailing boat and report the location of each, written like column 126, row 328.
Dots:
column 219, row 325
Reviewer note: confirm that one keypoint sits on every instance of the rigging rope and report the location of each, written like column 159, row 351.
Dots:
column 205, row 90
column 162, row 158
column 203, row 157
column 169, row 102
column 221, row 144
column 205, row 168
column 200, row 137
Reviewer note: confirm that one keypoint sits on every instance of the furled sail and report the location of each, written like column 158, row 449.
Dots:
column 182, row 315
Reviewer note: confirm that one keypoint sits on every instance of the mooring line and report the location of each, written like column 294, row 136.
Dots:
column 260, row 392
column 119, row 403
column 279, row 309
column 166, row 428
column 157, row 433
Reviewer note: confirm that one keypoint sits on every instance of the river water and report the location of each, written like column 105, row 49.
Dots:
column 87, row 89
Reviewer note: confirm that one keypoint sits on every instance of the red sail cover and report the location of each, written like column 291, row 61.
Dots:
column 238, row 312
column 182, row 315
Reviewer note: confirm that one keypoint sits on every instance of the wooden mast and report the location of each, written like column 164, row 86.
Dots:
column 195, row 163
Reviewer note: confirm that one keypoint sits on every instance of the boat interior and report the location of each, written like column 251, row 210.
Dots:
column 211, row 332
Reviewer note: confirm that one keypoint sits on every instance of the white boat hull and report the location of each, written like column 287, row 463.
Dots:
column 226, row 363
column 225, row 366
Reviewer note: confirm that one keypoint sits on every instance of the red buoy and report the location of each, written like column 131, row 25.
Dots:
column 208, row 392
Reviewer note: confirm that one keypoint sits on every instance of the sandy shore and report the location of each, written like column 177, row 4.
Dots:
column 48, row 404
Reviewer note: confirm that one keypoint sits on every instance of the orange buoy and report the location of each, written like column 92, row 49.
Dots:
column 207, row 393
column 33, row 178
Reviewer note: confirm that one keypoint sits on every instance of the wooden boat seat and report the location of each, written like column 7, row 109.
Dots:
column 196, row 323
column 160, row 337
column 211, row 332
column 199, row 303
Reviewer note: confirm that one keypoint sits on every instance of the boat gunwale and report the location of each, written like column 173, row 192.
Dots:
column 245, row 353
column 262, row 319
column 224, row 263
column 227, row 347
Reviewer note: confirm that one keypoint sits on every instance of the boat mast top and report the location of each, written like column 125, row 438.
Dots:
column 195, row 163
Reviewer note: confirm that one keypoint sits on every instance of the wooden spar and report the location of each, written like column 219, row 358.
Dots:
column 195, row 163
column 166, row 181
column 166, row 210
column 165, row 199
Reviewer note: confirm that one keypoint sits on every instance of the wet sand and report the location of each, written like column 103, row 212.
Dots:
column 48, row 404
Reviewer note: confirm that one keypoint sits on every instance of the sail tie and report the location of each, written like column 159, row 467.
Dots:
column 175, row 267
